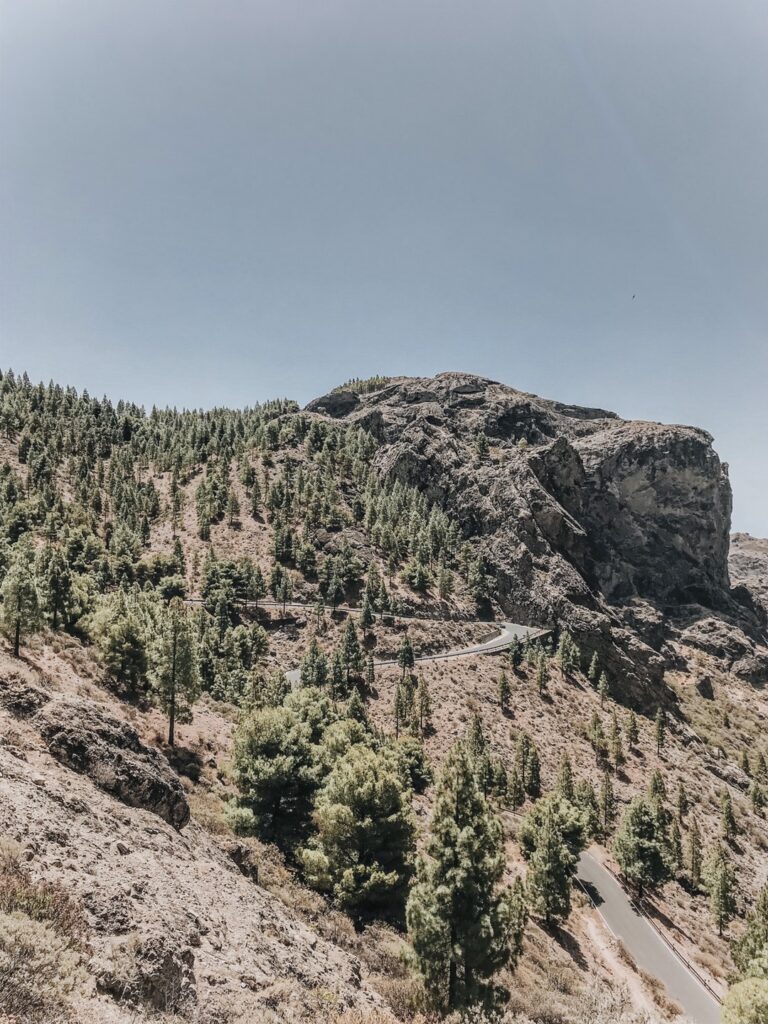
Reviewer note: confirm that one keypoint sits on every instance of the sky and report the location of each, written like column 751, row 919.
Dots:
column 223, row 201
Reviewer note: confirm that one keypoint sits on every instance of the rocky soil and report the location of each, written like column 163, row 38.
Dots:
column 177, row 921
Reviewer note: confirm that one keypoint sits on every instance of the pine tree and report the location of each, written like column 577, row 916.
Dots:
column 542, row 674
column 21, row 601
column 173, row 669
column 757, row 797
column 444, row 582
column 338, row 673
column 616, row 746
column 233, row 509
column 58, row 588
column 550, row 869
column 694, row 854
column 603, row 688
column 351, row 651
column 675, row 846
column 423, row 705
column 593, row 673
column 660, row 730
column 586, row 801
column 727, row 817
column 682, row 801
column 463, row 927
column 515, row 790
column 657, row 791
column 607, row 805
column 366, row 616
column 746, row 767
column 564, row 786
column 753, row 941
column 365, row 833
column 721, row 886
column 639, row 848
column 400, row 708
column 255, row 499
column 405, row 656
column 481, row 444
column 528, row 765
column 567, row 653
column 596, row 736
column 515, row 654
column 633, row 732
column 504, row 691
column 275, row 773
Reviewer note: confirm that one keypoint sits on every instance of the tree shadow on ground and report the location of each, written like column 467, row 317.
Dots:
column 656, row 914
column 567, row 941
column 185, row 762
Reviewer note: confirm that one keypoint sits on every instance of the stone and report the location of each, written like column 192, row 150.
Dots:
column 704, row 687
column 87, row 739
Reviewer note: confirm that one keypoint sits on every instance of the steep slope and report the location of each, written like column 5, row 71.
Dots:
column 456, row 497
column 177, row 921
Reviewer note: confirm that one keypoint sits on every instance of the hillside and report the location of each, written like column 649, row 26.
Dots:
column 389, row 516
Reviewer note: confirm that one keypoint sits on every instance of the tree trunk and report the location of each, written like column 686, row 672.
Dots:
column 452, row 986
column 17, row 637
column 172, row 708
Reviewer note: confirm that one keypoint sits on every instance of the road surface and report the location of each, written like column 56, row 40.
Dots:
column 507, row 633
column 644, row 944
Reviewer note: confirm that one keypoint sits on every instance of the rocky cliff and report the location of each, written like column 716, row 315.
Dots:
column 617, row 529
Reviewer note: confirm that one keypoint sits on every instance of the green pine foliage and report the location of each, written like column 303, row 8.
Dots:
column 463, row 924
column 641, row 848
column 362, row 850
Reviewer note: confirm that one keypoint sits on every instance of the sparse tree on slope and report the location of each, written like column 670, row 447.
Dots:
column 173, row 672
column 21, row 600
column 639, row 848
column 463, row 926
column 365, row 830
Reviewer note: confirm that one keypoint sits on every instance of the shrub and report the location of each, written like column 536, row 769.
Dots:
column 40, row 970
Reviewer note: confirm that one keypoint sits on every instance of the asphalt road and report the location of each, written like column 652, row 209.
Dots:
column 645, row 945
column 507, row 632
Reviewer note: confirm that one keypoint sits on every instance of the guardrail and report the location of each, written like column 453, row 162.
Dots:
column 639, row 909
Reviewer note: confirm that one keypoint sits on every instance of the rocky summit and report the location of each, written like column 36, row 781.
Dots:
column 617, row 529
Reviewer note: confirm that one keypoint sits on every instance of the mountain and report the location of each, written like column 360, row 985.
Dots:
column 617, row 529
column 212, row 707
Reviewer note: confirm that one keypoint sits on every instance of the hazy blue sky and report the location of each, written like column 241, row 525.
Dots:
column 220, row 202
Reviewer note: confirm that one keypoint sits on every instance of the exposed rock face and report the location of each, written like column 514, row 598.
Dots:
column 605, row 525
column 730, row 646
column 748, row 566
column 150, row 971
column 81, row 735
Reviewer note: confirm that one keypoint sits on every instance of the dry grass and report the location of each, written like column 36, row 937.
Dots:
column 42, row 933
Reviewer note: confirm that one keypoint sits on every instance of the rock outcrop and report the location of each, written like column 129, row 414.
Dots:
column 586, row 520
column 84, row 737
column 748, row 566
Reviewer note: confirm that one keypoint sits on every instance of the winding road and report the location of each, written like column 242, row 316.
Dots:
column 507, row 633
column 646, row 946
